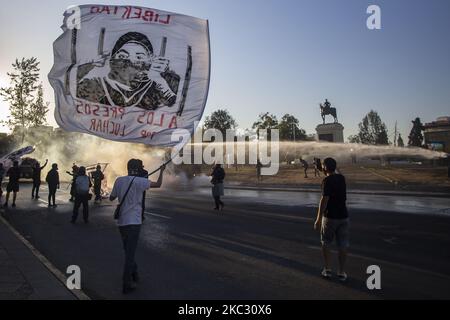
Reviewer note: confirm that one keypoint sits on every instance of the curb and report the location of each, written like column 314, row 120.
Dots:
column 79, row 294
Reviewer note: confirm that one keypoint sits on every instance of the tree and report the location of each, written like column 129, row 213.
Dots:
column 372, row 130
column 38, row 109
column 265, row 121
column 415, row 136
column 400, row 142
column 289, row 129
column 221, row 120
column 354, row 139
column 25, row 107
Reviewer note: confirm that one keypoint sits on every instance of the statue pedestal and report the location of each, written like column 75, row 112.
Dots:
column 331, row 132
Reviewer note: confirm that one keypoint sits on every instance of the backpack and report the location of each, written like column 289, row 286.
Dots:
column 82, row 185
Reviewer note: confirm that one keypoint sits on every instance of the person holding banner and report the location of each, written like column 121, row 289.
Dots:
column 129, row 191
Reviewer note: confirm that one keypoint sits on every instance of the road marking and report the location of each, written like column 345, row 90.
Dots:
column 79, row 294
column 398, row 265
column 277, row 215
column 157, row 215
column 391, row 240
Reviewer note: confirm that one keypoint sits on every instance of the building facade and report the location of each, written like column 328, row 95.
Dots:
column 437, row 134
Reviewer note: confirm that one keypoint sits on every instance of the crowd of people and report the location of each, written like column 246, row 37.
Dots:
column 332, row 217
column 80, row 186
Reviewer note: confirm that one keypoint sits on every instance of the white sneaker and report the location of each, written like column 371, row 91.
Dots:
column 342, row 277
column 326, row 273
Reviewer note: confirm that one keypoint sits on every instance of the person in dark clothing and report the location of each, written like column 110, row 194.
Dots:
column 258, row 170
column 72, row 185
column 37, row 179
column 82, row 186
column 305, row 167
column 317, row 167
column 448, row 166
column 53, row 184
column 332, row 217
column 13, row 184
column 2, row 174
column 97, row 177
column 218, row 175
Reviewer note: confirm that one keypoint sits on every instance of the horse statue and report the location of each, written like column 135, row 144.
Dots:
column 326, row 109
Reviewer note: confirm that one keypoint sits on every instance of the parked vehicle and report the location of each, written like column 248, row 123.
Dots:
column 26, row 168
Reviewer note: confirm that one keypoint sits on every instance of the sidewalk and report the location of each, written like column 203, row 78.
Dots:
column 23, row 275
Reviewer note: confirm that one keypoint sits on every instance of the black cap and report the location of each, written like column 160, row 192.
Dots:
column 132, row 37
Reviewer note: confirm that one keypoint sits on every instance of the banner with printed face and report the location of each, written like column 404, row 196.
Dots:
column 130, row 73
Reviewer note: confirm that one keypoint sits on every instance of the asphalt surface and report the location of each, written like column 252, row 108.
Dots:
column 261, row 246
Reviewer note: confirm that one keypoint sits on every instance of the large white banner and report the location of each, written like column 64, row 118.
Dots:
column 130, row 73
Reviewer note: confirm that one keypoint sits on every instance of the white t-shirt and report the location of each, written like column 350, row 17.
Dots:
column 131, row 209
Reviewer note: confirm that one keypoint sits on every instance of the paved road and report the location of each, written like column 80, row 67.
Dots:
column 261, row 246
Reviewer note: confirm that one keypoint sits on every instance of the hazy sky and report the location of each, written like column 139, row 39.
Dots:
column 286, row 56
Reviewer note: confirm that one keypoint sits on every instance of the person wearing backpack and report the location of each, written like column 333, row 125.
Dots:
column 217, row 174
column 129, row 190
column 82, row 185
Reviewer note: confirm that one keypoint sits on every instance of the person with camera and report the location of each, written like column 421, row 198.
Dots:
column 129, row 190
column 82, row 185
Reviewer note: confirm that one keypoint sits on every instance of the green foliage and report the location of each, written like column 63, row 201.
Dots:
column 221, row 120
column 289, row 129
column 267, row 122
column 24, row 95
column 415, row 136
column 372, row 130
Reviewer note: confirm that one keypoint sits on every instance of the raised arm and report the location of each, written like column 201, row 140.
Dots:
column 46, row 161
column 158, row 183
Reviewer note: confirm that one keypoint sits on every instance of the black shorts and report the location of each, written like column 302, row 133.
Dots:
column 12, row 187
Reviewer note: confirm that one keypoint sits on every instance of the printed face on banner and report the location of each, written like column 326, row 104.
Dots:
column 132, row 76
column 125, row 73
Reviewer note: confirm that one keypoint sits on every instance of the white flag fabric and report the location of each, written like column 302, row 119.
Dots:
column 16, row 155
column 130, row 73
